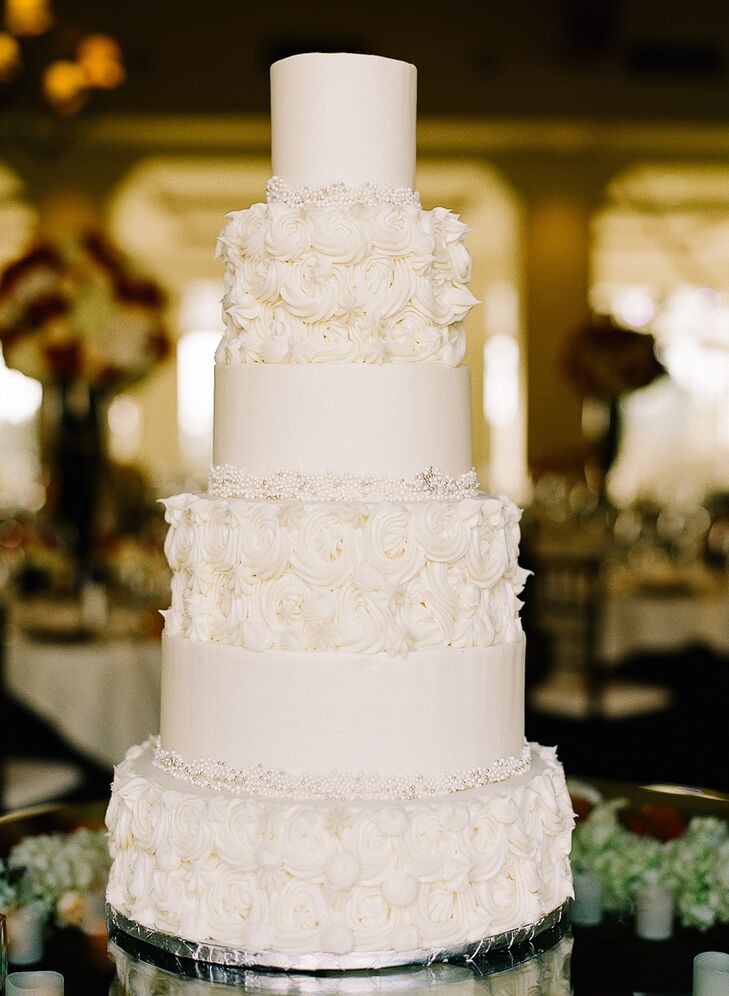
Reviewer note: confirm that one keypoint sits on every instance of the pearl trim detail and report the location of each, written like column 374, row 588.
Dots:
column 221, row 777
column 335, row 193
column 227, row 481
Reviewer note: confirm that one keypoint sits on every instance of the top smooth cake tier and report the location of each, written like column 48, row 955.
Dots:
column 337, row 117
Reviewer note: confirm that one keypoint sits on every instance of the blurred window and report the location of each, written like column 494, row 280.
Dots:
column 201, row 331
column 20, row 402
column 503, row 391
column 20, row 397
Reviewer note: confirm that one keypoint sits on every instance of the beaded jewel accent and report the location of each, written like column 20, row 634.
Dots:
column 227, row 481
column 333, row 194
column 258, row 780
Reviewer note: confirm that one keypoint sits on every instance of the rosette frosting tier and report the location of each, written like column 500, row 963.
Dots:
column 299, row 877
column 346, row 283
column 341, row 767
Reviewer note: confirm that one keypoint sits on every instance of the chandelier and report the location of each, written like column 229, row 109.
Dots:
column 49, row 66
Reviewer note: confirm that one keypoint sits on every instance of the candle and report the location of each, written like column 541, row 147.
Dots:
column 587, row 905
column 38, row 983
column 25, row 933
column 654, row 913
column 94, row 606
column 3, row 952
column 711, row 974
column 94, row 921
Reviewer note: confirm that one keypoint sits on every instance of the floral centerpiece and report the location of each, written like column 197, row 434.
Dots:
column 604, row 359
column 604, row 362
column 74, row 311
column 77, row 317
column 62, row 873
column 656, row 848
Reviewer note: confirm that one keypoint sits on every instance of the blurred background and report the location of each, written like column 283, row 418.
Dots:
column 585, row 143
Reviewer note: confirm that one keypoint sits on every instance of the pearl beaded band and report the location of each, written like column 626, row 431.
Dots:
column 227, row 481
column 333, row 194
column 258, row 780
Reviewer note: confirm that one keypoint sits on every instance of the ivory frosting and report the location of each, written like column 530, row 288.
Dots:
column 344, row 576
column 337, row 116
column 346, row 283
column 438, row 711
column 293, row 876
column 386, row 421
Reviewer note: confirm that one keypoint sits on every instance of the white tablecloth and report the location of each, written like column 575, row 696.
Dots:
column 663, row 622
column 101, row 696
column 656, row 607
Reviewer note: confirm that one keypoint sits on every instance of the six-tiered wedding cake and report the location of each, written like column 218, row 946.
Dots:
column 341, row 777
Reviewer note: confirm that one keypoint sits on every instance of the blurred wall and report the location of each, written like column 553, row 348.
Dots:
column 602, row 59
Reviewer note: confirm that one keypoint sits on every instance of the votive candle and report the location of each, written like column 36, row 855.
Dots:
column 25, row 926
column 711, row 974
column 654, row 913
column 587, row 905
column 38, row 983
column 3, row 952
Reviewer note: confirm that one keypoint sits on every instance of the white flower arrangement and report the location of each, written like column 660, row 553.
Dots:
column 58, row 870
column 7, row 889
column 693, row 867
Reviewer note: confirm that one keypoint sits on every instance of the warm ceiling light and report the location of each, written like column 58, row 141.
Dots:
column 9, row 57
column 28, row 17
column 64, row 84
column 100, row 57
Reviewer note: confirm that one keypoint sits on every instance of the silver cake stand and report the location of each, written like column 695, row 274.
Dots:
column 229, row 965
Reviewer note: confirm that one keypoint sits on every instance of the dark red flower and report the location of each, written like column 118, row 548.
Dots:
column 91, row 260
column 159, row 344
column 44, row 309
column 137, row 291
column 603, row 359
column 581, row 807
column 40, row 256
column 65, row 360
column 662, row 822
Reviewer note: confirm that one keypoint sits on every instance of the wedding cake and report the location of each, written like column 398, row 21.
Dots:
column 341, row 777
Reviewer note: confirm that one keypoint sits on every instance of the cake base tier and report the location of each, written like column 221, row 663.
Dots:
column 307, row 883
column 229, row 959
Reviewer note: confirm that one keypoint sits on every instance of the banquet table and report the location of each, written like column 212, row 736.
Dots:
column 100, row 695
column 663, row 620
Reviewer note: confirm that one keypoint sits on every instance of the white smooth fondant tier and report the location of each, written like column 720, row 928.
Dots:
column 342, row 117
column 305, row 876
column 435, row 712
column 390, row 421
column 351, row 576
